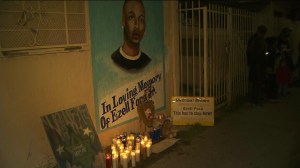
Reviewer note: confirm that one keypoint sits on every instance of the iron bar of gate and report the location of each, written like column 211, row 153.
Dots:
column 213, row 54
column 218, row 93
column 187, row 49
column 193, row 50
column 225, row 53
column 205, row 51
column 199, row 52
column 215, row 66
column 180, row 48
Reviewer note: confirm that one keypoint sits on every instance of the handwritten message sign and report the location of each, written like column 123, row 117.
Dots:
column 72, row 136
column 192, row 110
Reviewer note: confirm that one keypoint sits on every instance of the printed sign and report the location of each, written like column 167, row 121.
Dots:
column 192, row 110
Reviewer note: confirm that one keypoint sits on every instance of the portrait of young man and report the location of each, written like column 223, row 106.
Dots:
column 129, row 55
column 126, row 61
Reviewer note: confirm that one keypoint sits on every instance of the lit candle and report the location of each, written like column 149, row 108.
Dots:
column 149, row 142
column 121, row 148
column 115, row 160
column 113, row 147
column 133, row 158
column 108, row 161
column 121, row 159
column 129, row 143
column 128, row 154
column 118, row 142
column 125, row 160
column 130, row 147
column 138, row 145
column 144, row 152
column 128, row 138
column 148, row 146
column 132, row 137
column 137, row 155
column 114, row 141
column 114, row 152
column 146, row 138
column 143, row 143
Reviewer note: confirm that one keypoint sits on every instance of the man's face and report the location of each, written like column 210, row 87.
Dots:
column 134, row 22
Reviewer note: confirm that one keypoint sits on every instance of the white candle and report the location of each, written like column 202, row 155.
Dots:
column 150, row 141
column 113, row 147
column 129, row 143
column 128, row 139
column 146, row 138
column 118, row 144
column 137, row 155
column 130, row 147
column 121, row 158
column 118, row 141
column 125, row 160
column 144, row 152
column 128, row 154
column 142, row 143
column 115, row 160
column 132, row 137
column 133, row 158
column 114, row 152
column 138, row 145
column 121, row 148
column 148, row 146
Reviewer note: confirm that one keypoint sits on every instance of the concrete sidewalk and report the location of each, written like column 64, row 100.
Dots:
column 246, row 137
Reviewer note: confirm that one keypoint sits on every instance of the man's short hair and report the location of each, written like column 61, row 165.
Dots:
column 126, row 1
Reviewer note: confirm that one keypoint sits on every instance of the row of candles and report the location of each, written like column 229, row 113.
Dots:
column 126, row 151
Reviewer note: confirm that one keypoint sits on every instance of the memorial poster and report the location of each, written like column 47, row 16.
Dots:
column 127, row 43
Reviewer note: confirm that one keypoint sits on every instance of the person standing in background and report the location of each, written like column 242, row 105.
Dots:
column 283, row 77
column 285, row 48
column 273, row 58
column 256, row 60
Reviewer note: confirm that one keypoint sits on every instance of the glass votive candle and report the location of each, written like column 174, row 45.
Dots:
column 137, row 155
column 132, row 156
column 108, row 160
column 115, row 158
column 148, row 148
column 113, row 147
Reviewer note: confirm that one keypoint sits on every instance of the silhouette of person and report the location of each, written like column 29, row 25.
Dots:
column 256, row 61
column 273, row 59
column 284, row 46
column 129, row 56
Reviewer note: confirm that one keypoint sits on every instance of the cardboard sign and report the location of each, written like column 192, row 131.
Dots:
column 72, row 136
column 192, row 110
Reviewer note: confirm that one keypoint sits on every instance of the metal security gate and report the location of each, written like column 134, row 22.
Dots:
column 212, row 57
